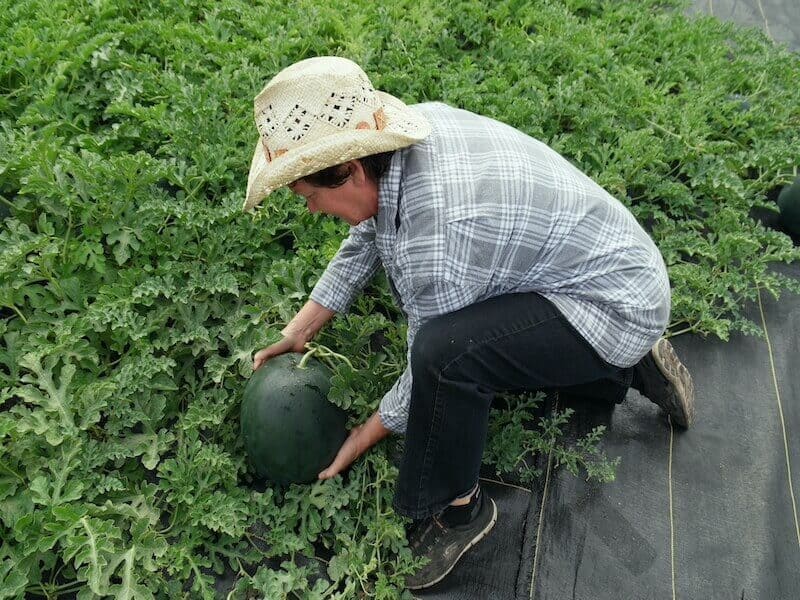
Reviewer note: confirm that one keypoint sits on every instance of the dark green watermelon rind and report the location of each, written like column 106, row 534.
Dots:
column 301, row 395
column 789, row 205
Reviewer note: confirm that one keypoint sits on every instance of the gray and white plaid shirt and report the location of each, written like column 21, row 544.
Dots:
column 486, row 210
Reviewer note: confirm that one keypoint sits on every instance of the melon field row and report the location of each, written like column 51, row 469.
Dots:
column 134, row 290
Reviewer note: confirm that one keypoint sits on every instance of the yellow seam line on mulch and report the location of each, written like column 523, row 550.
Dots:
column 766, row 23
column 541, row 512
column 511, row 485
column 671, row 519
column 780, row 412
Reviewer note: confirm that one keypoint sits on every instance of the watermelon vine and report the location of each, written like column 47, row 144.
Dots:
column 134, row 291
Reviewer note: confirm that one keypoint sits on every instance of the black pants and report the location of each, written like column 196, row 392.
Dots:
column 511, row 343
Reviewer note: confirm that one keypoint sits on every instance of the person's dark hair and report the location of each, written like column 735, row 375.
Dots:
column 375, row 166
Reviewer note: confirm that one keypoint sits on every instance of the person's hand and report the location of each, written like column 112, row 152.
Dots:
column 290, row 343
column 352, row 448
column 361, row 439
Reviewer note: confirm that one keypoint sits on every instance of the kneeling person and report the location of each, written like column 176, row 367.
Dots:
column 515, row 270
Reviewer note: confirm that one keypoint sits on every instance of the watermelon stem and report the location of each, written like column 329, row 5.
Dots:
column 311, row 352
column 322, row 352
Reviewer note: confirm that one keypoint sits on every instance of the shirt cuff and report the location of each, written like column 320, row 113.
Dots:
column 394, row 419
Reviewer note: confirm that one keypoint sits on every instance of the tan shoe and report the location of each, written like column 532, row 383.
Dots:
column 670, row 386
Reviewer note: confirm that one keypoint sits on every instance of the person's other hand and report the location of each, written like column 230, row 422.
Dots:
column 351, row 449
column 290, row 343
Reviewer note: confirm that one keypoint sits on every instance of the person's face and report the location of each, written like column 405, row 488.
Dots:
column 354, row 201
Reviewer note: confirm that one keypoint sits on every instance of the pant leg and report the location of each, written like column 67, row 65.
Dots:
column 459, row 361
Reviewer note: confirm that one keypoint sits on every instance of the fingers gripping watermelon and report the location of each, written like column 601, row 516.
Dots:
column 290, row 430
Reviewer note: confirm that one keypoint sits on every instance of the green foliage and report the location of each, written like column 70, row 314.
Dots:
column 518, row 432
column 133, row 290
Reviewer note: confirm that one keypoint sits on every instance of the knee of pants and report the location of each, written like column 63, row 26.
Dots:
column 434, row 345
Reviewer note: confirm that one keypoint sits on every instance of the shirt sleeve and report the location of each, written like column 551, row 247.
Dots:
column 355, row 263
column 430, row 300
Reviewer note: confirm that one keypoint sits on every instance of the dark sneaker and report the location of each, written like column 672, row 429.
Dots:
column 666, row 382
column 445, row 545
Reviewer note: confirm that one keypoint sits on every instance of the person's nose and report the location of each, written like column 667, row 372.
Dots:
column 312, row 206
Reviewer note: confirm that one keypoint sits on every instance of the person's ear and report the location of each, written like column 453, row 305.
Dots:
column 357, row 172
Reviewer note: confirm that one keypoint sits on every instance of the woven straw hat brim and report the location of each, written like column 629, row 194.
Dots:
column 404, row 127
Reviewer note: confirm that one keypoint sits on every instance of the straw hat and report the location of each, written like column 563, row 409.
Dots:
column 322, row 112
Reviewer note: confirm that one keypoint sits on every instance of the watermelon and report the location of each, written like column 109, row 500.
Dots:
column 789, row 205
column 290, row 430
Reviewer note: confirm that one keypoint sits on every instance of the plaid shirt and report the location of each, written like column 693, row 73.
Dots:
column 480, row 209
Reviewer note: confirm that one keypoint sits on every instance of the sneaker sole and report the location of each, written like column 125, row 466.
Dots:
column 477, row 539
column 678, row 375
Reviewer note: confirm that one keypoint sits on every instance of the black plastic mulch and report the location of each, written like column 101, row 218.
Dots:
column 711, row 512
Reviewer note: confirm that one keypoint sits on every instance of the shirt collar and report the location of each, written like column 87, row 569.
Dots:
column 389, row 193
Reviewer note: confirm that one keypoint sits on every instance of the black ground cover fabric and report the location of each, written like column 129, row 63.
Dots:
column 705, row 513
